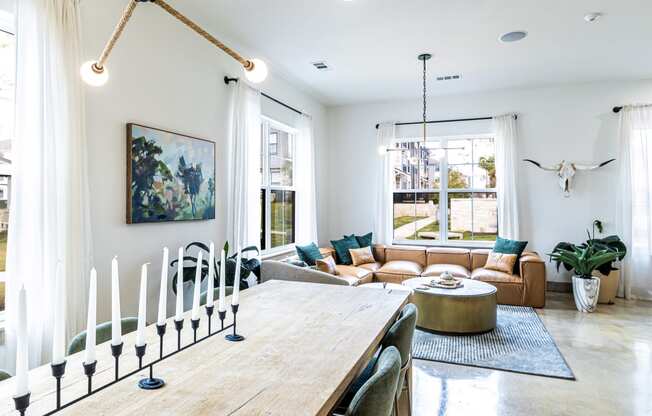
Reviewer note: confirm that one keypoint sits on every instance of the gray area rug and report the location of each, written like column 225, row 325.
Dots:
column 520, row 343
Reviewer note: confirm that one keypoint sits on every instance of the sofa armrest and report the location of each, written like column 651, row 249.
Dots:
column 379, row 252
column 533, row 271
column 276, row 270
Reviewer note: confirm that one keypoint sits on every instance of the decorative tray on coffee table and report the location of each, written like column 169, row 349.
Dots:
column 444, row 284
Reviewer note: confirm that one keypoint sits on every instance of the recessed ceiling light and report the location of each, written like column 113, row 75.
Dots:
column 513, row 36
column 592, row 17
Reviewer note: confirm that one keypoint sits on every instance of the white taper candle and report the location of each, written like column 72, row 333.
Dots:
column 91, row 321
column 178, row 316
column 142, row 307
column 197, row 289
column 235, row 298
column 211, row 276
column 22, row 366
column 116, row 316
column 221, row 307
column 163, row 294
column 59, row 329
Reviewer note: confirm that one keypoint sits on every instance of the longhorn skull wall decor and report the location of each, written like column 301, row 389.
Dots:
column 566, row 171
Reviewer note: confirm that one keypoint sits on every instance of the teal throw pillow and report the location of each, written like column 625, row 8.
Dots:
column 342, row 248
column 309, row 253
column 506, row 246
column 364, row 240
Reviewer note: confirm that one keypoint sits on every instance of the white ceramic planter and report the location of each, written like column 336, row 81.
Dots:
column 586, row 292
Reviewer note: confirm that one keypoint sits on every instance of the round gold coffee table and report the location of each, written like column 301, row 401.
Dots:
column 468, row 309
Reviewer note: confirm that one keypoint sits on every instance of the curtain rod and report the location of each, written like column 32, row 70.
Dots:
column 413, row 123
column 228, row 80
column 619, row 108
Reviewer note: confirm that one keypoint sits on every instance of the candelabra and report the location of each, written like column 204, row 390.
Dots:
column 22, row 403
column 148, row 383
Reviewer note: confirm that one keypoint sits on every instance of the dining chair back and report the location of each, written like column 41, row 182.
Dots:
column 102, row 334
column 376, row 396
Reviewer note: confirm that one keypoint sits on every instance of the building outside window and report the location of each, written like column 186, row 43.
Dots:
column 277, row 192
column 7, row 85
column 458, row 207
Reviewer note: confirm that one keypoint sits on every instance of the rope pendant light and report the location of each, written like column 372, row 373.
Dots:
column 95, row 73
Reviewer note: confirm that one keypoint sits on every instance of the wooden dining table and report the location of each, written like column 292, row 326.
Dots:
column 304, row 344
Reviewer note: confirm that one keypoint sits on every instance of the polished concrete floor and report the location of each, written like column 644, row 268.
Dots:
column 610, row 352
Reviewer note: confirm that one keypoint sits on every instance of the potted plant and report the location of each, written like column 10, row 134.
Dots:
column 584, row 260
column 609, row 274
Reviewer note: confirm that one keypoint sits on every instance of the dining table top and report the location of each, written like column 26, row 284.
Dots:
column 304, row 344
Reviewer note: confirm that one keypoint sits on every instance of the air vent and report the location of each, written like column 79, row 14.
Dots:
column 321, row 65
column 449, row 77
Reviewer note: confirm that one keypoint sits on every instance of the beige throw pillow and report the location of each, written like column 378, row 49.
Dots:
column 501, row 262
column 326, row 265
column 362, row 256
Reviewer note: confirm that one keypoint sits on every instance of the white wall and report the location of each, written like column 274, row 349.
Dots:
column 161, row 75
column 572, row 122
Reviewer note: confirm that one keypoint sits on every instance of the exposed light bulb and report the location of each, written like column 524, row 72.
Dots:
column 382, row 150
column 92, row 75
column 258, row 73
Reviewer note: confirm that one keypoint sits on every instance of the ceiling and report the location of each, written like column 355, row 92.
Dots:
column 372, row 45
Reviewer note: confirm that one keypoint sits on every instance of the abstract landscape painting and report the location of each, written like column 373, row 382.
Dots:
column 170, row 176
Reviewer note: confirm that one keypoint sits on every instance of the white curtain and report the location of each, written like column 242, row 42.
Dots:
column 635, row 200
column 383, row 218
column 506, row 139
column 49, row 219
column 243, row 168
column 304, row 165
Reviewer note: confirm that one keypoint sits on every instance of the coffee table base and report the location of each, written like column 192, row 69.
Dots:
column 456, row 315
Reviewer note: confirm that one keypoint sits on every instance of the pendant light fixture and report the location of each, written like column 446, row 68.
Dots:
column 96, row 74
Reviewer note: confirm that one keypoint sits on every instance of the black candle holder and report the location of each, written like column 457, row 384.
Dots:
column 140, row 353
column 22, row 403
column 89, row 370
column 58, row 370
column 160, row 330
column 179, row 326
column 234, row 337
column 209, row 313
column 194, row 323
column 222, row 316
column 116, row 352
column 151, row 383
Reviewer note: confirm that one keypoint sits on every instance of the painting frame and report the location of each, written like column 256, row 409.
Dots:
column 129, row 213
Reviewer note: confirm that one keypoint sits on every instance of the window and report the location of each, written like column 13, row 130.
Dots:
column 458, row 206
column 7, row 83
column 277, row 195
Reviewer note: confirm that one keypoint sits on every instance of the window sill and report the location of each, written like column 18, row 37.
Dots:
column 278, row 253
column 451, row 244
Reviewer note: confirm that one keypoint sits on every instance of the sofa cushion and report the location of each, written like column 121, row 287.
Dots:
column 358, row 273
column 506, row 246
column 342, row 248
column 448, row 255
column 406, row 253
column 371, row 266
column 309, row 253
column 402, row 268
column 489, row 276
column 479, row 257
column 501, row 262
column 454, row 269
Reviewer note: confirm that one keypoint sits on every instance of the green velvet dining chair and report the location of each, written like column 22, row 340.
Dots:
column 400, row 336
column 102, row 334
column 377, row 395
column 216, row 294
column 4, row 375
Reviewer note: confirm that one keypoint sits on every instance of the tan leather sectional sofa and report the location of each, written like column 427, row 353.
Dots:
column 397, row 263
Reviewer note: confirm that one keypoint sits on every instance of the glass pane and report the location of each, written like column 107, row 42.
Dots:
column 460, row 216
column 485, row 216
column 404, row 216
column 404, row 164
column 280, row 157
column 282, row 218
column 459, row 176
column 427, row 214
column 431, row 170
column 459, row 152
column 482, row 149
column 485, row 163
column 262, row 220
